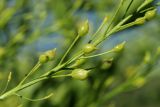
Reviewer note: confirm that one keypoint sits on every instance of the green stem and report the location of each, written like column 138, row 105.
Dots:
column 98, row 54
column 68, row 50
column 32, row 71
column 123, row 87
column 151, row 8
column 108, row 32
column 75, row 58
column 104, row 36
column 145, row 3
column 100, row 28
column 114, row 16
column 8, row 81
column 38, row 99
column 128, row 8
column 125, row 26
column 19, row 88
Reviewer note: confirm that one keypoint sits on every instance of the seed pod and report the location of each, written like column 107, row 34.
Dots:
column 150, row 14
column 51, row 54
column 43, row 58
column 88, row 48
column 78, row 63
column 79, row 74
column 107, row 64
column 83, row 28
column 140, row 21
column 119, row 47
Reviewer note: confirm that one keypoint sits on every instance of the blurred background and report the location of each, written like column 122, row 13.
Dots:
column 30, row 27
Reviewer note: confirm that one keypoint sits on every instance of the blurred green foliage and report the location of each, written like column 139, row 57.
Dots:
column 29, row 27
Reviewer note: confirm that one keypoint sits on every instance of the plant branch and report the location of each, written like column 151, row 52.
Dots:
column 32, row 71
column 68, row 50
column 97, row 54
column 19, row 88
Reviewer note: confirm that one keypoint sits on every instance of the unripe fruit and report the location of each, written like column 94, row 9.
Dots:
column 83, row 28
column 78, row 63
column 51, row 54
column 88, row 48
column 140, row 21
column 150, row 14
column 79, row 74
column 107, row 64
column 119, row 47
column 43, row 58
column 47, row 56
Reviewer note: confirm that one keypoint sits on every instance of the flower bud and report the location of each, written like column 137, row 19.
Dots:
column 43, row 58
column 119, row 47
column 88, row 48
column 51, row 54
column 150, row 14
column 79, row 74
column 83, row 28
column 140, row 21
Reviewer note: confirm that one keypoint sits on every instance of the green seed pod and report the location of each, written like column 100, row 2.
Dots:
column 150, row 14
column 119, row 47
column 51, row 54
column 107, row 64
column 78, row 63
column 43, row 58
column 83, row 28
column 79, row 74
column 140, row 21
column 88, row 48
